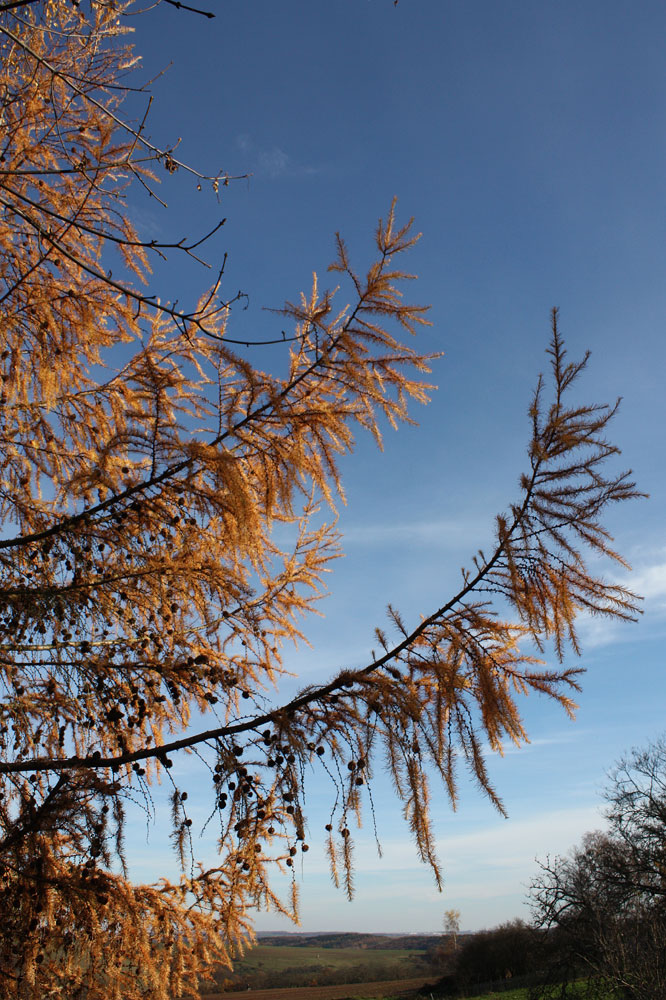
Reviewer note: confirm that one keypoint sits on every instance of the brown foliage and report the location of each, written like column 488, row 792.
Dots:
column 145, row 465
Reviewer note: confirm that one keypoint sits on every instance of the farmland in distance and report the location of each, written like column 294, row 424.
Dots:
column 329, row 960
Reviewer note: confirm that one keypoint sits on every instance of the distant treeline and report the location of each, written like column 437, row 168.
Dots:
column 407, row 942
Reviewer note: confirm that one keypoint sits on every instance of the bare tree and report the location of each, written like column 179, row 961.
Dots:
column 606, row 902
column 452, row 926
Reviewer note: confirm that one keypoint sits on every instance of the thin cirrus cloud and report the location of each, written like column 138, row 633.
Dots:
column 496, row 846
column 533, row 744
column 451, row 533
column 270, row 161
column 648, row 580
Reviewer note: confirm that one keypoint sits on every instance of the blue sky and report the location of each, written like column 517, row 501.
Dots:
column 528, row 140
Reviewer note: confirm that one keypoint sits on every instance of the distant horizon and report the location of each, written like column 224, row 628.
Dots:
column 334, row 933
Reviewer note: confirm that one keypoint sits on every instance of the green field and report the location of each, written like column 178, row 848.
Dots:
column 280, row 957
column 326, row 961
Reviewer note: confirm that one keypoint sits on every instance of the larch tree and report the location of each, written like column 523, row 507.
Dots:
column 145, row 466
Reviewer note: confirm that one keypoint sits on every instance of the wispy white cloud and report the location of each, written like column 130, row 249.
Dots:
column 500, row 845
column 597, row 632
column 453, row 533
column 271, row 161
column 244, row 143
column 499, row 848
column 275, row 162
column 560, row 739
column 648, row 580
